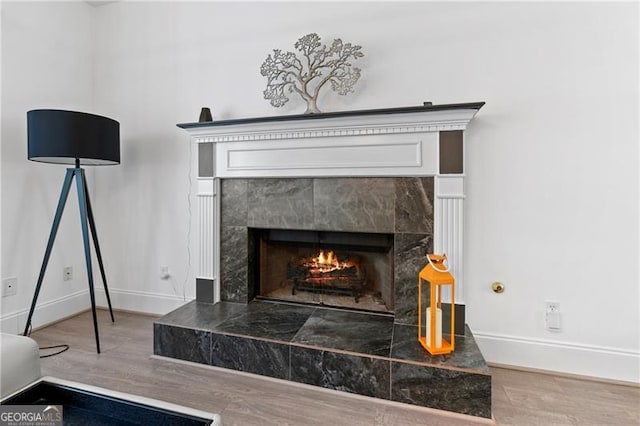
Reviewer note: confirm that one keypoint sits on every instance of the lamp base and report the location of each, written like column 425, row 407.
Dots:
column 86, row 222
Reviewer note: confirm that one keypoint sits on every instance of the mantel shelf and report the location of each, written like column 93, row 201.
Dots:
column 338, row 114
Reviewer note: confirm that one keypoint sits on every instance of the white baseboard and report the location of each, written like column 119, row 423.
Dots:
column 583, row 360
column 46, row 312
column 62, row 307
column 140, row 301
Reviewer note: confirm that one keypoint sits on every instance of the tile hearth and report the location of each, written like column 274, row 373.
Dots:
column 362, row 353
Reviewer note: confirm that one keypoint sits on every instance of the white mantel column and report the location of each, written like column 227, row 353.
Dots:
column 448, row 223
column 207, row 219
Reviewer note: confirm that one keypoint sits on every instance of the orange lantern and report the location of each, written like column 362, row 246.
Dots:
column 436, row 276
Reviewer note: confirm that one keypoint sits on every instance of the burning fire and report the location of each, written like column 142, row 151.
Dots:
column 327, row 261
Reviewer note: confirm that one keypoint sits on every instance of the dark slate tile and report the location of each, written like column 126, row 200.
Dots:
column 182, row 343
column 233, row 264
column 410, row 257
column 466, row 355
column 280, row 203
column 250, row 355
column 349, row 373
column 414, row 204
column 443, row 389
column 268, row 320
column 202, row 316
column 349, row 331
column 233, row 202
column 354, row 204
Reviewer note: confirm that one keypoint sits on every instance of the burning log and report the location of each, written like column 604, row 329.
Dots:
column 326, row 273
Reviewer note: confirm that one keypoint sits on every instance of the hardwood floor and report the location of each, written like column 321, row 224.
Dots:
column 519, row 398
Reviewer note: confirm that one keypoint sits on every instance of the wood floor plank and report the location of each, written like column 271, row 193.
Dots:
column 388, row 416
column 272, row 409
column 509, row 415
column 126, row 365
column 604, row 390
column 533, row 381
column 535, row 398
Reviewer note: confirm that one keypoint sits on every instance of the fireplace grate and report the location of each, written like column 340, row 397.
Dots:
column 309, row 275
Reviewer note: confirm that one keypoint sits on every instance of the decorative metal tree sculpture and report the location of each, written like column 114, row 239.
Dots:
column 306, row 76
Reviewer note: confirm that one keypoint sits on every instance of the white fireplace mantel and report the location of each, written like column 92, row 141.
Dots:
column 382, row 142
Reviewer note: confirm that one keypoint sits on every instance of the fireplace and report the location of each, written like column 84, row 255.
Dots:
column 396, row 170
column 306, row 195
column 339, row 269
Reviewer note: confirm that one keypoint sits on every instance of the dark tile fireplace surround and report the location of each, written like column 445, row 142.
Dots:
column 358, row 352
column 402, row 207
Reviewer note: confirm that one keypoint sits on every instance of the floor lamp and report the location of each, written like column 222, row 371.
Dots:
column 69, row 137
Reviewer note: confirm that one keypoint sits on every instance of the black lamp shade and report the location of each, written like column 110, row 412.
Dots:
column 57, row 136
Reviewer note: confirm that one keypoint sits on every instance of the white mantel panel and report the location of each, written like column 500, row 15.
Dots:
column 371, row 155
column 206, row 187
column 450, row 186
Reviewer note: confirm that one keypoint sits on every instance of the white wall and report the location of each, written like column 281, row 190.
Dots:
column 552, row 158
column 46, row 63
column 553, row 188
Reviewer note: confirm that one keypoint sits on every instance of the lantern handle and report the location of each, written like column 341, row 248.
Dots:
column 446, row 269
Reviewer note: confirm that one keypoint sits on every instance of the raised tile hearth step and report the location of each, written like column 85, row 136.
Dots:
column 362, row 353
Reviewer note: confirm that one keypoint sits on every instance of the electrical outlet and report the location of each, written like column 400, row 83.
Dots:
column 552, row 317
column 164, row 272
column 67, row 273
column 9, row 286
column 552, row 306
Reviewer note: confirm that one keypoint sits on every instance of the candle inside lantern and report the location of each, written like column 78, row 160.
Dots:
column 438, row 327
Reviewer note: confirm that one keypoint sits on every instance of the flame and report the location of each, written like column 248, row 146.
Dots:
column 327, row 261
column 329, row 258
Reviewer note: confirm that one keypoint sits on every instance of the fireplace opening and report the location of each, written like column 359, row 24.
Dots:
column 338, row 269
